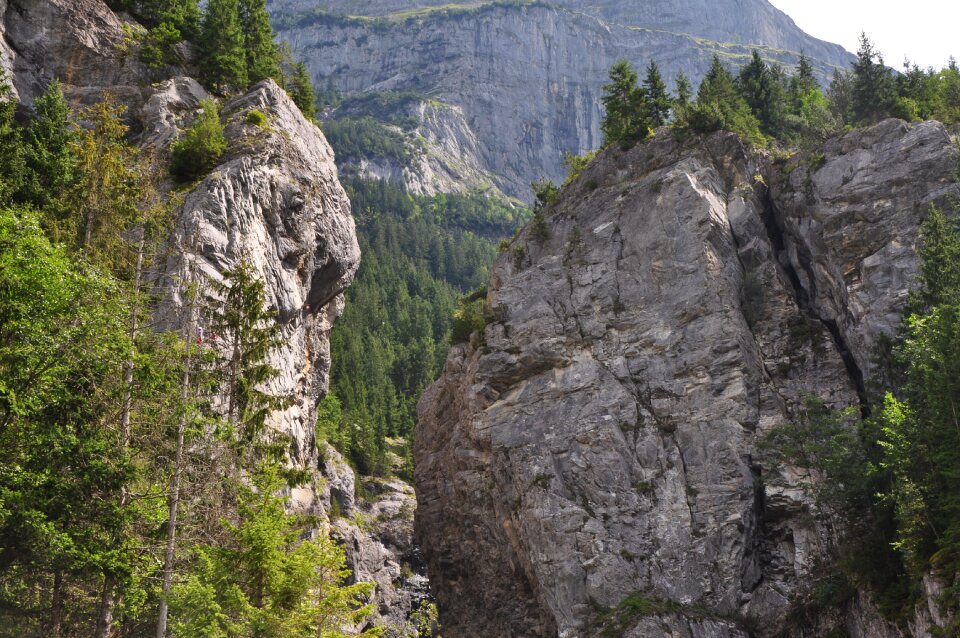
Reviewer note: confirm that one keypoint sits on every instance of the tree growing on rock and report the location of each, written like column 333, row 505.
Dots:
column 626, row 120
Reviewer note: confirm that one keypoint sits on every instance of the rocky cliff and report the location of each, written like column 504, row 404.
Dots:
column 528, row 76
column 274, row 200
column 597, row 444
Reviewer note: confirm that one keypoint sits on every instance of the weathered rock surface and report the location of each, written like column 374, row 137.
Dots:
column 600, row 439
column 82, row 43
column 529, row 78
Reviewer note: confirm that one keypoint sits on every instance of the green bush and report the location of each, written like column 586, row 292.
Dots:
column 257, row 118
column 199, row 149
column 467, row 319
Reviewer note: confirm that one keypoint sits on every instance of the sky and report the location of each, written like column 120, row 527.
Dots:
column 926, row 31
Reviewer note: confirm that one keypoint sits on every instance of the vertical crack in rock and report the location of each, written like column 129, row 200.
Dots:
column 778, row 234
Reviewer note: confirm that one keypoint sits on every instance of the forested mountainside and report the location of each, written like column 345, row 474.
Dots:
column 495, row 93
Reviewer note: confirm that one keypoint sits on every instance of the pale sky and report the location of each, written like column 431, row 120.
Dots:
column 926, row 31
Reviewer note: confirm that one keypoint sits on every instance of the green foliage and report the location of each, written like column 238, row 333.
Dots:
column 300, row 87
column 263, row 57
column 659, row 102
column 200, row 148
column 257, row 118
column 367, row 138
column 681, row 104
column 249, row 333
column 264, row 580
column 62, row 466
column 467, row 319
column 720, row 106
column 872, row 89
column 576, row 164
column 762, row 89
column 158, row 47
column 223, row 58
column 49, row 151
column 626, row 117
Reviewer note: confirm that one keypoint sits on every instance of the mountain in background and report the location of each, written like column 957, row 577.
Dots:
column 489, row 96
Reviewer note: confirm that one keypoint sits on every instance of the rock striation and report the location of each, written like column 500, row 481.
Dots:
column 597, row 444
column 528, row 76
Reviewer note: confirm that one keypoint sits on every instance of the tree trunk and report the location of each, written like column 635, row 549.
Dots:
column 174, row 501
column 107, row 600
column 174, row 505
column 56, row 606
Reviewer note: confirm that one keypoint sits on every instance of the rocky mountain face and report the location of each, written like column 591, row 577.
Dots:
column 598, row 443
column 274, row 200
column 527, row 76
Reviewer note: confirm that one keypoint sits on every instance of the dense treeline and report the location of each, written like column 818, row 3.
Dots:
column 420, row 255
column 234, row 40
column 764, row 104
column 141, row 491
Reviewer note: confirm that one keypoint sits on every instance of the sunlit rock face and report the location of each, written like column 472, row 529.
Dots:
column 600, row 439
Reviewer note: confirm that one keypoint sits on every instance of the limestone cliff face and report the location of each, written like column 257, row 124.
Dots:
column 274, row 200
column 528, row 76
column 600, row 439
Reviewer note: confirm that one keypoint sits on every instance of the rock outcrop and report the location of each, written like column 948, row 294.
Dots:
column 598, row 443
column 274, row 201
column 528, row 76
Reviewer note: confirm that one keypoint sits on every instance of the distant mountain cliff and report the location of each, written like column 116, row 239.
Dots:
column 523, row 79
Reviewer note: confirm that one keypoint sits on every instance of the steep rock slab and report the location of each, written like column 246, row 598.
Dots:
column 275, row 202
column 600, row 440
column 82, row 43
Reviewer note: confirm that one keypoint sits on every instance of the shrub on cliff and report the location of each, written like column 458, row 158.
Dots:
column 199, row 149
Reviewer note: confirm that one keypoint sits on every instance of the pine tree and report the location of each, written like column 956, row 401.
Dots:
column 804, row 80
column 250, row 333
column 263, row 57
column 49, row 148
column 223, row 59
column 625, row 119
column 300, row 87
column 12, row 161
column 720, row 106
column 681, row 104
column 871, row 90
column 659, row 102
column 759, row 86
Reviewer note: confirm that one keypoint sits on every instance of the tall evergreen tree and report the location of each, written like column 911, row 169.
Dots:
column 263, row 57
column 720, row 106
column 626, row 119
column 49, row 147
column 300, row 87
column 681, row 104
column 871, row 89
column 763, row 92
column 223, row 58
column 659, row 102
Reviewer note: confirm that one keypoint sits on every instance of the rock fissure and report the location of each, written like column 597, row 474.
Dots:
column 778, row 235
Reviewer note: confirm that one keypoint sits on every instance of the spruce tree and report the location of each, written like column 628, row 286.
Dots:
column 681, row 104
column 223, row 59
column 720, row 107
column 763, row 92
column 300, row 87
column 249, row 333
column 659, row 103
column 263, row 57
column 626, row 119
column 871, row 89
column 49, row 148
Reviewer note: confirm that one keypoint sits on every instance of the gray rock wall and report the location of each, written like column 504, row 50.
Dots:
column 529, row 78
column 600, row 439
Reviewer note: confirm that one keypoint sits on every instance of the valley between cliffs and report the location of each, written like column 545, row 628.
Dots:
column 600, row 441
